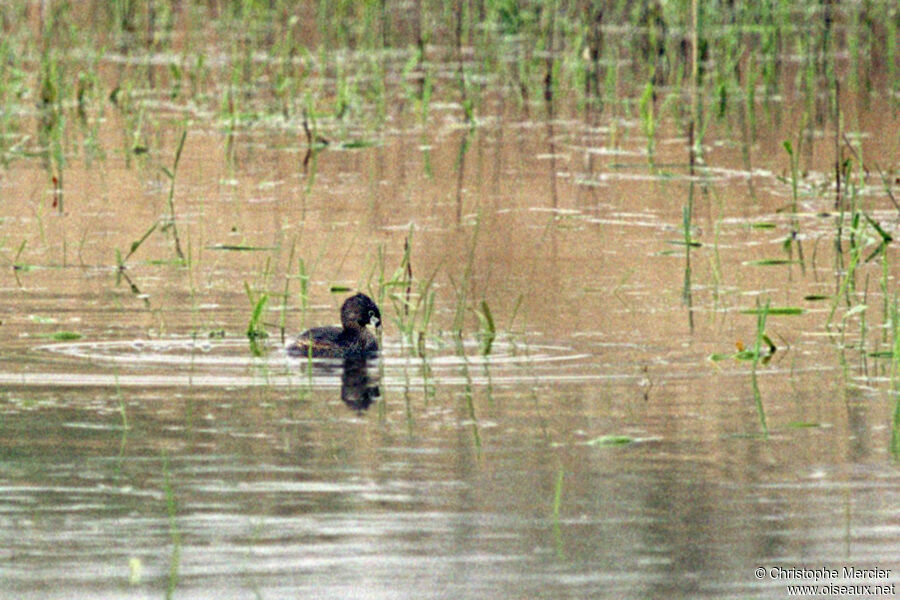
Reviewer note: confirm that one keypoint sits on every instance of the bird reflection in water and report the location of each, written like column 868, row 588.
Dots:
column 359, row 378
column 358, row 389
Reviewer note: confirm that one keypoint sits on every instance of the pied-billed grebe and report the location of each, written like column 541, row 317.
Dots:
column 352, row 339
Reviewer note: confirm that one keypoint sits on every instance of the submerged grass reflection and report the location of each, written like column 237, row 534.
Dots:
column 174, row 531
column 761, row 337
column 895, row 375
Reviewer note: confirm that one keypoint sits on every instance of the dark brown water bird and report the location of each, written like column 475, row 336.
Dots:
column 352, row 339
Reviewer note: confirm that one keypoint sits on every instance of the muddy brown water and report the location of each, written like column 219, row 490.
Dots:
column 595, row 452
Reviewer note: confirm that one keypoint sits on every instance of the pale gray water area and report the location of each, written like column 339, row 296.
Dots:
column 235, row 475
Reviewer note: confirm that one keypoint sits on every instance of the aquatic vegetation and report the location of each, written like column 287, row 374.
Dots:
column 761, row 352
column 17, row 264
column 413, row 299
column 462, row 288
column 648, row 119
column 487, row 330
column 687, row 296
column 761, row 338
column 121, row 260
column 557, row 494
column 172, row 224
column 571, row 52
column 255, row 327
column 285, row 296
column 169, row 224
column 793, row 240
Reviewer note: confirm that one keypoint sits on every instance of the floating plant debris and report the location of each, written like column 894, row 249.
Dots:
column 771, row 262
column 610, row 440
column 241, row 248
column 774, row 310
column 63, row 336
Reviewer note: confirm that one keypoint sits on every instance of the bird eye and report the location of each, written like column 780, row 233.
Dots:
column 371, row 313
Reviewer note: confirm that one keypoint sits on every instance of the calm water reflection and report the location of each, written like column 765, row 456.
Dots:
column 286, row 491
